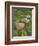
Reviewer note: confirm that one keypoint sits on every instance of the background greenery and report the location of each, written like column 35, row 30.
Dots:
column 20, row 14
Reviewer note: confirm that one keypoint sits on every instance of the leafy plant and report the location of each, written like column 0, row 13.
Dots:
column 19, row 15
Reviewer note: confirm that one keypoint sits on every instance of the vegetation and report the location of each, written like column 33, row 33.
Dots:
column 19, row 15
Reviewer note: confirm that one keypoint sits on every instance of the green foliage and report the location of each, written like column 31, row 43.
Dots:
column 19, row 14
